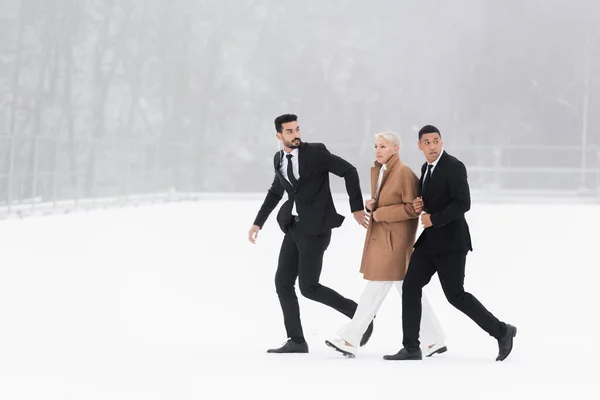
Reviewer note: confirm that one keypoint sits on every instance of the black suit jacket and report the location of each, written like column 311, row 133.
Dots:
column 447, row 199
column 314, row 203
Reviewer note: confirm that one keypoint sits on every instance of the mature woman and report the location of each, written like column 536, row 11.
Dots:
column 388, row 247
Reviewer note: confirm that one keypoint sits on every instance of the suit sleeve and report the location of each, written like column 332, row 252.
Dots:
column 342, row 168
column 274, row 195
column 460, row 195
column 420, row 188
column 404, row 211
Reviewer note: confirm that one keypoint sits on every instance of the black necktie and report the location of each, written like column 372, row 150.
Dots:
column 290, row 171
column 427, row 178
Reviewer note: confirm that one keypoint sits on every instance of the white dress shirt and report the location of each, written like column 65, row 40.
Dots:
column 432, row 168
column 295, row 168
column 284, row 163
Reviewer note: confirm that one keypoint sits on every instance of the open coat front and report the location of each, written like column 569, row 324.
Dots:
column 389, row 242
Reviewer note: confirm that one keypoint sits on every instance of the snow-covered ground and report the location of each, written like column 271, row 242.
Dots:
column 172, row 302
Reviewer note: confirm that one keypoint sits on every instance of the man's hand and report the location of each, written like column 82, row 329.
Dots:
column 253, row 233
column 418, row 205
column 369, row 204
column 426, row 220
column 362, row 218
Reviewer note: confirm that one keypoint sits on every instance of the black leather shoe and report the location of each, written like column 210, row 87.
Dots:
column 505, row 343
column 404, row 354
column 367, row 335
column 291, row 347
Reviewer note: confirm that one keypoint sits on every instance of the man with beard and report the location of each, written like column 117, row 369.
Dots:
column 306, row 218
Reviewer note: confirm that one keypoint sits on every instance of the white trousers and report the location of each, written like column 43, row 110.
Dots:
column 370, row 301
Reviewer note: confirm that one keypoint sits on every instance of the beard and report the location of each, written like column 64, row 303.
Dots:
column 293, row 144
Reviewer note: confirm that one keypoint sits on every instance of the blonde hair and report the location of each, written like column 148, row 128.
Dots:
column 391, row 137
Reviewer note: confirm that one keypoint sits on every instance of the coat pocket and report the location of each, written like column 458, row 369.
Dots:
column 388, row 241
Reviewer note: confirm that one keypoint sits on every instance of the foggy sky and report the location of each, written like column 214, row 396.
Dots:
column 106, row 97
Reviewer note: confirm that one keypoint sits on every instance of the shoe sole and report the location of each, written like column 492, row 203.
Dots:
column 403, row 359
column 438, row 351
column 511, row 346
column 346, row 354
column 287, row 352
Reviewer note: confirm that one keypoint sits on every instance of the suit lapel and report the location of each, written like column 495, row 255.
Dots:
column 302, row 160
column 277, row 162
column 436, row 175
column 284, row 181
column 438, row 171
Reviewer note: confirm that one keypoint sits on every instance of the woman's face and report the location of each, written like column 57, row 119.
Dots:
column 384, row 150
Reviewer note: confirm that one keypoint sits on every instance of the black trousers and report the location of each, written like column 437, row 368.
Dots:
column 451, row 272
column 301, row 257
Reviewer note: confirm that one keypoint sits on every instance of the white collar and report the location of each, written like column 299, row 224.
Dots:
column 294, row 152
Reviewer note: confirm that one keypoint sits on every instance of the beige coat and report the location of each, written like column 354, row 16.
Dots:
column 389, row 242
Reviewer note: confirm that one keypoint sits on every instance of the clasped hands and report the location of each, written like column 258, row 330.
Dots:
column 425, row 217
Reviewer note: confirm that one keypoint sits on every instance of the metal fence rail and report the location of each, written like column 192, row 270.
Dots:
column 43, row 175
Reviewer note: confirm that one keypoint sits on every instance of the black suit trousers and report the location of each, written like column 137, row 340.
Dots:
column 451, row 272
column 301, row 257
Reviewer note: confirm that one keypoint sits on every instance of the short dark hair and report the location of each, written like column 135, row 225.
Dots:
column 283, row 119
column 428, row 129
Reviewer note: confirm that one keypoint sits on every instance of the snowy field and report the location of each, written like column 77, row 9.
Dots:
column 173, row 302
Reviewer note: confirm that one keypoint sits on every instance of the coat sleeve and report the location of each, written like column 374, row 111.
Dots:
column 460, row 195
column 274, row 195
column 342, row 168
column 408, row 187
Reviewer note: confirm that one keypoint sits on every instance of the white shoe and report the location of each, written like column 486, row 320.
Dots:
column 435, row 348
column 340, row 345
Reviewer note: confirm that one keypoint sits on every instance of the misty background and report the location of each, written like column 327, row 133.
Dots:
column 128, row 97
column 112, row 104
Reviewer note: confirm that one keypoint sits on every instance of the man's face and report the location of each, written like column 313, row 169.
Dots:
column 431, row 145
column 290, row 135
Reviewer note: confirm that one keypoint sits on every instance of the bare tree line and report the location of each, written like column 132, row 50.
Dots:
column 101, row 97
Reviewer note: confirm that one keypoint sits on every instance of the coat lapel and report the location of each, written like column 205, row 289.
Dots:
column 374, row 177
column 375, row 173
